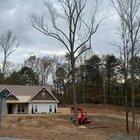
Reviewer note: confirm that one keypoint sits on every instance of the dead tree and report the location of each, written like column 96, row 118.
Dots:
column 8, row 43
column 128, row 11
column 67, row 26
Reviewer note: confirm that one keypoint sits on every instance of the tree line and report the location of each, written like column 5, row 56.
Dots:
column 99, row 79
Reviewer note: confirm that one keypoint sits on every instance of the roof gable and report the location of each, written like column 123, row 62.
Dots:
column 8, row 95
column 4, row 92
column 43, row 95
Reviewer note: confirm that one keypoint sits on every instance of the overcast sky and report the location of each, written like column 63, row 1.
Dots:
column 13, row 15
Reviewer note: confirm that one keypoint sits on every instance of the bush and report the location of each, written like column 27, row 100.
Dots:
column 19, row 120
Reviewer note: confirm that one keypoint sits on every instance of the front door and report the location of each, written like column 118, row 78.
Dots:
column 10, row 108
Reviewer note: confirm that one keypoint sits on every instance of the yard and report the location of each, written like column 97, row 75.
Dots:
column 106, row 123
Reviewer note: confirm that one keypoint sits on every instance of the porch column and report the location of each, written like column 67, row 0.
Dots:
column 15, row 109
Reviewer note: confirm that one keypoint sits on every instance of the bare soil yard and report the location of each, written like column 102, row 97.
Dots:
column 59, row 127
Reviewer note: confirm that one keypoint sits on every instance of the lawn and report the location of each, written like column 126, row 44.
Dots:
column 59, row 127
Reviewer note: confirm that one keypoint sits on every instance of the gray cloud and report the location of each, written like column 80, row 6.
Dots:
column 13, row 16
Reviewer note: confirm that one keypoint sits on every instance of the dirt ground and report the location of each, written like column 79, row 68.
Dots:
column 58, row 127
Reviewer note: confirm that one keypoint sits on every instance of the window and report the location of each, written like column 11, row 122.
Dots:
column 50, row 109
column 20, row 109
column 36, row 110
column 43, row 94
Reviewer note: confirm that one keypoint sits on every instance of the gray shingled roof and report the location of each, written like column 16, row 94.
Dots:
column 21, row 90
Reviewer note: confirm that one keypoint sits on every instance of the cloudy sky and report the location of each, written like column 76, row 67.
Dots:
column 13, row 15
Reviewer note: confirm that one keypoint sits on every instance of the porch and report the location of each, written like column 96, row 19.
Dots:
column 17, row 108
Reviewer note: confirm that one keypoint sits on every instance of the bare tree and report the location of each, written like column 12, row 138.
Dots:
column 8, row 43
column 42, row 66
column 75, row 25
column 125, row 55
column 128, row 11
column 30, row 61
column 45, row 66
column 9, row 68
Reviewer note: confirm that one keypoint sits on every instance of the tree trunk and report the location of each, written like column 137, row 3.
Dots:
column 126, row 106
column 64, row 89
column 132, row 85
column 133, row 103
column 3, row 68
column 108, row 90
column 84, row 94
column 104, row 92
column 74, row 89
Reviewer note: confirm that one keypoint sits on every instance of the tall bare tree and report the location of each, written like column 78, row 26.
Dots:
column 125, row 55
column 8, row 43
column 128, row 11
column 71, row 28
column 125, row 51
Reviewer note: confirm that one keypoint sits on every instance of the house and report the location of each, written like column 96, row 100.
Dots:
column 28, row 99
